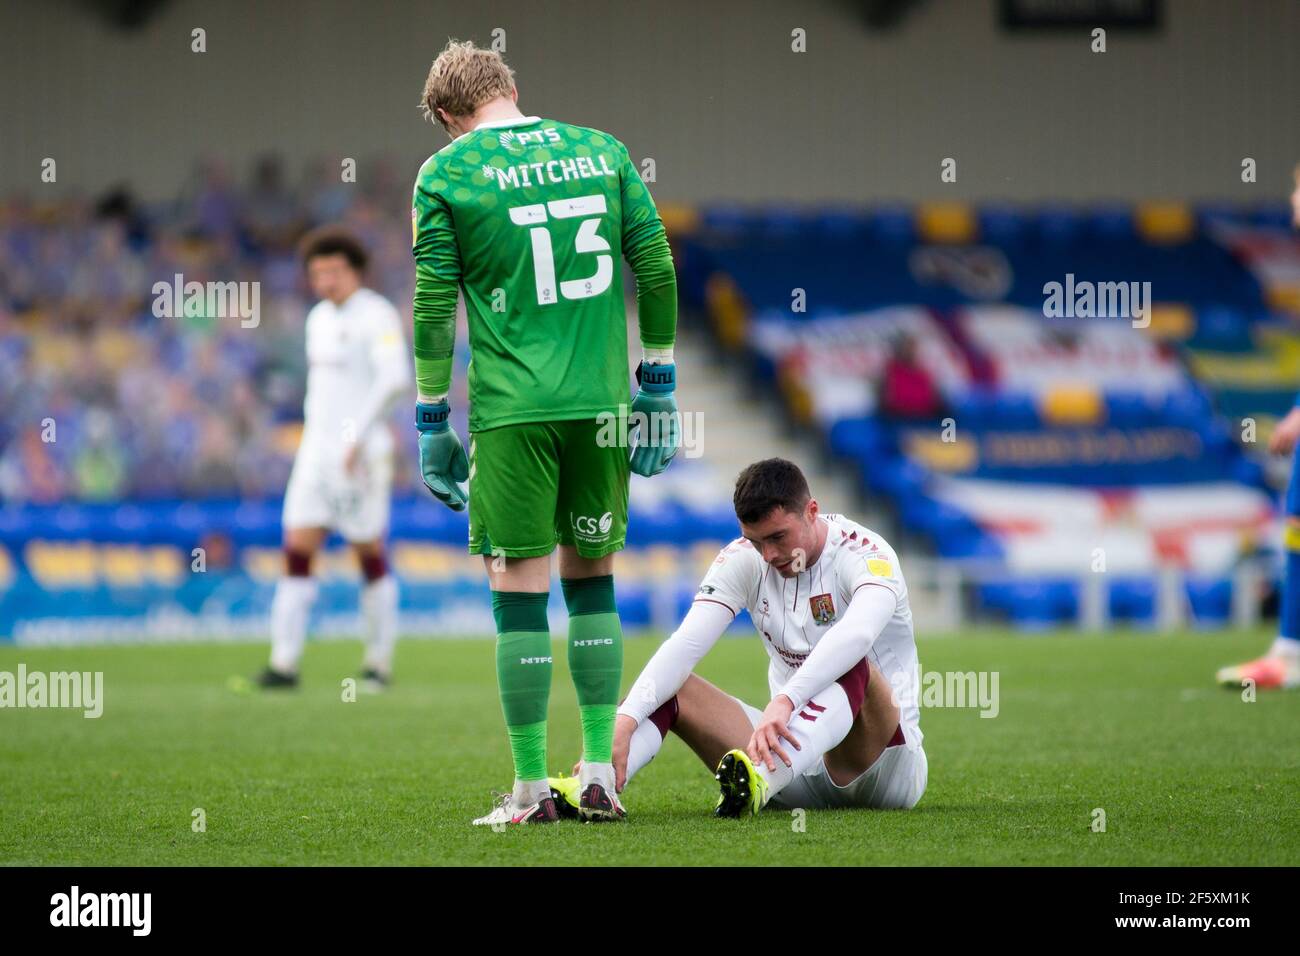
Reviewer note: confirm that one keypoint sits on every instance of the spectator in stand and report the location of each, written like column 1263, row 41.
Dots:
column 907, row 389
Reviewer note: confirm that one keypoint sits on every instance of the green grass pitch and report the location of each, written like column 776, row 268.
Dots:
column 1185, row 772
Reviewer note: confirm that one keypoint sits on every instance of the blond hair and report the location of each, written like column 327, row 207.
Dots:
column 463, row 78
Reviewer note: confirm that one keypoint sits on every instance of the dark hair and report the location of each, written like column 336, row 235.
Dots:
column 767, row 484
column 333, row 241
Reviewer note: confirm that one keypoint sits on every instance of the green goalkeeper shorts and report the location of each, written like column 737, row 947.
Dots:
column 538, row 484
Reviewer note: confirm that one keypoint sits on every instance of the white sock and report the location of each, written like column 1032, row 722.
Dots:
column 1287, row 648
column 379, row 609
column 290, row 609
column 818, row 726
column 645, row 743
column 528, row 792
column 601, row 773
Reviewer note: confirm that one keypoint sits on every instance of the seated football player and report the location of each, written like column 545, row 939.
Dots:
column 828, row 601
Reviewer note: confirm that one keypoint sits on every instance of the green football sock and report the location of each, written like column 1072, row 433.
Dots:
column 524, row 676
column 595, row 660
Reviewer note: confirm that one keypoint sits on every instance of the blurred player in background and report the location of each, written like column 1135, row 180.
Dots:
column 358, row 367
column 528, row 217
column 1280, row 667
column 828, row 600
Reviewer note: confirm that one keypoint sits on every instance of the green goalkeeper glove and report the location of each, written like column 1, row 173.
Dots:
column 658, row 425
column 442, row 456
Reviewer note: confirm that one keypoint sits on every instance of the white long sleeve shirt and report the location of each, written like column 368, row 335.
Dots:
column 805, row 623
column 358, row 367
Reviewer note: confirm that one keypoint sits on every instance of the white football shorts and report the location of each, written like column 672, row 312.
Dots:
column 896, row 781
column 321, row 495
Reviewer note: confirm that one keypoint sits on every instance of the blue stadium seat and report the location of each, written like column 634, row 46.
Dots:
column 1210, row 600
column 1275, row 215
column 896, row 477
column 863, row 437
column 1111, row 223
column 1002, row 224
column 1250, row 471
column 1032, row 603
column 633, row 606
column 789, row 222
column 840, row 226
column 1133, row 600
column 1222, row 328
column 894, row 224
column 1210, row 214
column 1130, row 410
column 727, row 218
column 1188, row 407
column 1059, row 224
column 968, row 541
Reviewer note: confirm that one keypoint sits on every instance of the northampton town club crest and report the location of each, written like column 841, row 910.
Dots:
column 823, row 609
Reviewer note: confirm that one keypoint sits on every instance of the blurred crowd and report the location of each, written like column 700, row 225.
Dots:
column 101, row 399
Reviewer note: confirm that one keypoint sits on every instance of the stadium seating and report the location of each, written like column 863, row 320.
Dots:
column 1008, row 442
column 1037, row 443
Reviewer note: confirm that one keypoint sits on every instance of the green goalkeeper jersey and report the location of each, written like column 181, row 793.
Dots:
column 528, row 217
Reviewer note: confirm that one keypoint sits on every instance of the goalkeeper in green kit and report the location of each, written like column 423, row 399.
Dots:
column 527, row 217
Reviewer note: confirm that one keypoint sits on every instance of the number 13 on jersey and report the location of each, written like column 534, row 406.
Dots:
column 535, row 216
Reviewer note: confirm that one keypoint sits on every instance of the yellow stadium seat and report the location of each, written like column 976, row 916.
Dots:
column 948, row 222
column 166, row 564
column 1072, row 405
column 264, row 565
column 797, row 398
column 1284, row 298
column 932, row 451
column 679, row 219
column 662, row 562
column 1165, row 222
column 287, row 438
column 1171, row 321
column 727, row 309
column 122, row 566
column 59, row 564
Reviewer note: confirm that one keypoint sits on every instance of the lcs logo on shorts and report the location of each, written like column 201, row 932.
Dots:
column 593, row 528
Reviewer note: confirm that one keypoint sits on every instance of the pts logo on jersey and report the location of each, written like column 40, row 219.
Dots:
column 592, row 529
column 517, row 142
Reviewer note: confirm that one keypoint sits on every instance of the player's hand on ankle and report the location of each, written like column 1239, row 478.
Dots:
column 771, row 730
column 624, row 727
column 443, row 463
